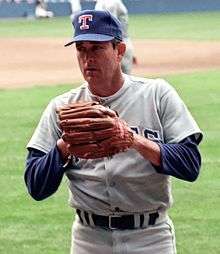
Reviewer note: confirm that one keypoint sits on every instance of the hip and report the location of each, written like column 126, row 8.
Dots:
column 154, row 239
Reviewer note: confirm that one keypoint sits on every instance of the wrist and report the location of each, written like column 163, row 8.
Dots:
column 137, row 141
column 62, row 148
column 149, row 149
column 65, row 154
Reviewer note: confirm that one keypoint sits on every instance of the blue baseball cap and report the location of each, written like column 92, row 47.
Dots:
column 92, row 25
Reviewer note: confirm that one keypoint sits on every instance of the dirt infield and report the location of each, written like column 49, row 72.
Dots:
column 28, row 62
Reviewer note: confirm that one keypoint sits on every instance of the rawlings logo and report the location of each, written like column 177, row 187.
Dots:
column 83, row 21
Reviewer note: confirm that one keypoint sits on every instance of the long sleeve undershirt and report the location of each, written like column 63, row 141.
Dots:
column 44, row 172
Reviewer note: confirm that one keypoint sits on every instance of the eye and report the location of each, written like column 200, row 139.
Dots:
column 97, row 47
column 79, row 48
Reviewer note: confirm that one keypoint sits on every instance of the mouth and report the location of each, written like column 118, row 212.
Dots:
column 90, row 69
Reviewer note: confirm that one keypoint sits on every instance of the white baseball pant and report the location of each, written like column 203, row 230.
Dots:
column 156, row 239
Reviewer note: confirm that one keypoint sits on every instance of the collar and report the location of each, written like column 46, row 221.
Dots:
column 111, row 98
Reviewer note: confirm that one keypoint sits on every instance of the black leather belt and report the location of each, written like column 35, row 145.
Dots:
column 117, row 221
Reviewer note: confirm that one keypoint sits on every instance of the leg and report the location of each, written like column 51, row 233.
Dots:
column 157, row 239
column 88, row 240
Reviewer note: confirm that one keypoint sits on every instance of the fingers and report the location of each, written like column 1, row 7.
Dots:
column 106, row 111
column 76, row 137
column 86, row 124
column 100, row 112
column 84, row 109
column 76, row 105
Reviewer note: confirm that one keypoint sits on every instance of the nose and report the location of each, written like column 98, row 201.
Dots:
column 89, row 56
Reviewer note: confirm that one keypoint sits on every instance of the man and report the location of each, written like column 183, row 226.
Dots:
column 122, row 200
column 41, row 10
column 119, row 10
column 75, row 6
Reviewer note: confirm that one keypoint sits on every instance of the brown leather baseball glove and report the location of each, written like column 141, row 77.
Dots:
column 93, row 131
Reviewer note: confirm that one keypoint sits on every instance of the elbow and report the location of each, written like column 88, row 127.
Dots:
column 33, row 191
column 192, row 169
column 37, row 190
column 192, row 178
column 189, row 177
column 195, row 166
column 193, row 174
column 35, row 195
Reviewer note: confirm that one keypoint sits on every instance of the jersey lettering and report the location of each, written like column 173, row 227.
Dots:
column 152, row 134
column 135, row 129
column 83, row 20
column 148, row 133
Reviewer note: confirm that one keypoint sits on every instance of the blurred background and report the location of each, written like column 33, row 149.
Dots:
column 25, row 8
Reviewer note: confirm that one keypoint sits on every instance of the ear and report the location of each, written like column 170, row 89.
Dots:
column 121, row 50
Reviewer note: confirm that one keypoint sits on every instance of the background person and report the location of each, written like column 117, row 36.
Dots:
column 122, row 200
column 119, row 10
column 75, row 7
column 41, row 10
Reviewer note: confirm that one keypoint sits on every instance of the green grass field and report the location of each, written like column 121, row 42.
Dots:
column 30, row 227
column 187, row 26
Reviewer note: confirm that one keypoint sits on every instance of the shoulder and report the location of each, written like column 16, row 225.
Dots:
column 68, row 97
column 157, row 85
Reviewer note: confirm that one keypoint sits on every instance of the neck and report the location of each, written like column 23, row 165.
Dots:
column 108, row 87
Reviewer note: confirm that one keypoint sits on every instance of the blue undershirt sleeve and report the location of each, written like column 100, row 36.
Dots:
column 182, row 160
column 43, row 172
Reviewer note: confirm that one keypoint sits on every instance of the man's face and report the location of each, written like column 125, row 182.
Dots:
column 98, row 61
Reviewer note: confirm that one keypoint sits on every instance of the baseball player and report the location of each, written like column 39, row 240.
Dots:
column 41, row 10
column 118, row 139
column 75, row 7
column 119, row 10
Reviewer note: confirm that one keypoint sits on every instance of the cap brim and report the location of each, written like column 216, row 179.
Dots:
column 90, row 37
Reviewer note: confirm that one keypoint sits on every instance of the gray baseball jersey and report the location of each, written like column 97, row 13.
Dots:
column 126, row 182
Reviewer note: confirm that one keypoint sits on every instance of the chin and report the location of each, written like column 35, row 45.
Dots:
column 91, row 79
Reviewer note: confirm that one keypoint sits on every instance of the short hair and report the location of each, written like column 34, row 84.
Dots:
column 115, row 42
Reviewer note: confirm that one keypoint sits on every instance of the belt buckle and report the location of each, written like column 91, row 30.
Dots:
column 110, row 220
